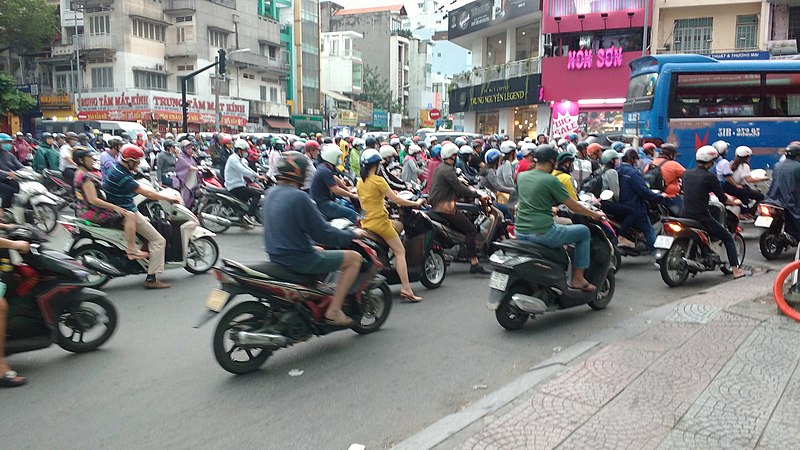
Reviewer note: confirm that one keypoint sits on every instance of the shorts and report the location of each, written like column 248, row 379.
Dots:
column 325, row 261
column 383, row 228
column 102, row 217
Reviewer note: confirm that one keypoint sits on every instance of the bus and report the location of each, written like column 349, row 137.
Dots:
column 695, row 100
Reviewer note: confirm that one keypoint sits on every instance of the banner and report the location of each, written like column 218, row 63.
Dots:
column 565, row 118
column 518, row 91
column 364, row 112
column 380, row 119
column 425, row 119
column 481, row 14
column 348, row 118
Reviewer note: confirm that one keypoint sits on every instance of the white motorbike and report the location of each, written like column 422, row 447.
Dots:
column 33, row 203
column 188, row 244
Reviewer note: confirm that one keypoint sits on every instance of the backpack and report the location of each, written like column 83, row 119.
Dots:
column 653, row 176
column 594, row 184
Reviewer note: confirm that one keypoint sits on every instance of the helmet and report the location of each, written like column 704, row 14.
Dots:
column 4, row 137
column 608, row 156
column 464, row 150
column 80, row 152
column 46, row 135
column 370, row 156
column 168, row 144
column 436, row 150
column 793, row 149
column 507, row 147
column 311, row 145
column 744, row 151
column 292, row 166
column 327, row 140
column 115, row 140
column 460, row 141
column 565, row 157
column 226, row 139
column 169, row 136
column 573, row 137
column 721, row 147
column 84, row 136
column 630, row 154
column 433, row 138
column 331, row 153
column 358, row 142
column 545, row 153
column 477, row 142
column 370, row 142
column 130, row 152
column 492, row 156
column 449, row 150
column 241, row 144
column 387, row 151
column 394, row 141
column 706, row 153
column 527, row 148
column 649, row 146
column 617, row 146
column 71, row 135
column 303, row 135
column 562, row 142
column 413, row 149
column 668, row 149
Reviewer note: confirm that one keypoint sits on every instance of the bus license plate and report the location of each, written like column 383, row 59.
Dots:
column 664, row 242
column 764, row 221
column 217, row 299
column 498, row 281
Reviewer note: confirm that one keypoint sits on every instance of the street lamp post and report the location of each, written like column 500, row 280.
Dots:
column 217, row 82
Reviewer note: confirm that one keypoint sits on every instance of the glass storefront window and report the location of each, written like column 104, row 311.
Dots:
column 524, row 122
column 488, row 122
column 527, row 42
column 629, row 40
column 496, row 49
column 599, row 122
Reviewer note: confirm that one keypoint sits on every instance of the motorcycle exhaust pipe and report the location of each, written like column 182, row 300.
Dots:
column 264, row 340
column 528, row 304
column 694, row 264
column 216, row 219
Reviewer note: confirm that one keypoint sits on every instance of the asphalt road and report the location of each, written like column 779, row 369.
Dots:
column 156, row 383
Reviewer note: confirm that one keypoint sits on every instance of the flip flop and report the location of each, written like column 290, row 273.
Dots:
column 585, row 288
column 137, row 255
column 740, row 276
column 348, row 322
column 411, row 298
column 11, row 379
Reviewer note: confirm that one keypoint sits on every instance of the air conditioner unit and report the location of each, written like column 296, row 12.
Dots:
column 161, row 67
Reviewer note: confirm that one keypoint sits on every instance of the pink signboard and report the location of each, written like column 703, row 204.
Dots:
column 602, row 58
column 564, row 119
column 587, row 77
column 567, row 16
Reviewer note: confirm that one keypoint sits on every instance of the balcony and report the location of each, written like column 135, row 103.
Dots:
column 479, row 75
column 179, row 6
column 89, row 42
column 259, row 62
column 184, row 49
column 264, row 108
column 268, row 30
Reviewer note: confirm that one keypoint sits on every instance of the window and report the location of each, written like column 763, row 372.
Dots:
column 149, row 80
column 189, row 85
column 527, row 45
column 693, row 35
column 99, row 24
column 224, row 86
column 746, row 31
column 717, row 95
column 642, row 85
column 181, row 37
column 217, row 38
column 782, row 95
column 65, row 81
column 496, row 49
column 149, row 30
column 358, row 73
column 186, row 68
column 794, row 22
column 273, row 95
column 183, row 19
column 249, row 76
column 102, row 79
column 263, row 93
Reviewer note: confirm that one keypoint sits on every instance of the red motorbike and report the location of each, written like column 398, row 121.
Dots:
column 289, row 308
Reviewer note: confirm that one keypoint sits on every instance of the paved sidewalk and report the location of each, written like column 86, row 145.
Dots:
column 720, row 371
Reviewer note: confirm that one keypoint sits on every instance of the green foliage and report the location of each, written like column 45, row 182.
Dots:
column 11, row 98
column 27, row 25
column 376, row 90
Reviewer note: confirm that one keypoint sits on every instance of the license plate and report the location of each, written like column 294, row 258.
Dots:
column 217, row 299
column 498, row 281
column 764, row 221
column 664, row 242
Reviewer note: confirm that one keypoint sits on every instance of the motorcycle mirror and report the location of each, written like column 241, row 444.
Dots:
column 607, row 195
column 759, row 174
column 584, row 197
column 341, row 224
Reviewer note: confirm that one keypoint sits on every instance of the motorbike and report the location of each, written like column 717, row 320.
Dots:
column 219, row 210
column 188, row 244
column 530, row 279
column 655, row 211
column 55, row 183
column 486, row 217
column 289, row 308
column 33, row 203
column 774, row 240
column 49, row 302
column 686, row 248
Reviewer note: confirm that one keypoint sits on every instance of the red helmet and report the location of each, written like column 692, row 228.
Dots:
column 226, row 139
column 130, row 152
column 649, row 146
column 392, row 136
column 312, row 145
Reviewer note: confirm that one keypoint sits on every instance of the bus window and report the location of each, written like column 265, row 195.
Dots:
column 782, row 95
column 716, row 95
column 642, row 86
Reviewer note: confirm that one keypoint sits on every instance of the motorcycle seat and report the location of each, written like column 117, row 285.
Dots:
column 53, row 174
column 215, row 189
column 436, row 217
column 688, row 222
column 271, row 270
column 558, row 255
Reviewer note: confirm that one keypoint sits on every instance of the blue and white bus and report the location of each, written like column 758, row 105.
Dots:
column 694, row 100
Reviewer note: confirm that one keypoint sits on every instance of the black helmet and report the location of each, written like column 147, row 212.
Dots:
column 370, row 142
column 545, row 153
column 168, row 144
column 292, row 167
column 582, row 145
column 84, row 137
column 71, row 135
column 793, row 150
column 46, row 135
column 79, row 153
column 565, row 157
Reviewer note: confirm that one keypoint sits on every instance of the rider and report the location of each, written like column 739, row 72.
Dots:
column 671, row 172
column 490, row 181
column 311, row 149
column 65, row 163
column 445, row 191
column 165, row 164
column 433, row 162
column 120, row 188
column 225, row 151
column 235, row 171
column 505, row 170
column 633, row 191
column 411, row 169
column 464, row 156
column 8, row 179
column 292, row 221
column 108, row 159
column 46, row 156
column 327, row 185
column 373, row 189
column 785, row 189
column 526, row 163
column 563, row 172
column 538, row 190
column 388, row 153
column 622, row 213
column 22, row 149
column 187, row 173
column 737, row 183
column 8, row 377
column 697, row 184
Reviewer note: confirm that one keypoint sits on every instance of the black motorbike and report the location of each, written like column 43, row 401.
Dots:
column 530, row 279
column 49, row 303
column 55, row 182
column 774, row 240
column 655, row 212
column 219, row 210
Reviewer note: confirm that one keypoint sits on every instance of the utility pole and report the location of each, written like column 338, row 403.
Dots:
column 76, row 44
column 217, row 114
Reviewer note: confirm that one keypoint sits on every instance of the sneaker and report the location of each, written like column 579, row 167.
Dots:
column 477, row 268
column 156, row 285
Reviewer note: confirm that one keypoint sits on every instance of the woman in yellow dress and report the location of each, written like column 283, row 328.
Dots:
column 372, row 190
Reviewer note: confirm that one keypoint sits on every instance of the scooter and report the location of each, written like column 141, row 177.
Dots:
column 289, row 308
column 33, row 203
column 486, row 217
column 686, row 248
column 49, row 302
column 530, row 279
column 188, row 244
column 219, row 210
column 55, row 183
column 774, row 240
column 655, row 211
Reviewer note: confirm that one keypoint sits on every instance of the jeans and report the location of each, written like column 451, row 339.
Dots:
column 461, row 223
column 674, row 204
column 624, row 214
column 559, row 235
column 643, row 224
column 332, row 210
column 716, row 230
column 506, row 212
column 247, row 194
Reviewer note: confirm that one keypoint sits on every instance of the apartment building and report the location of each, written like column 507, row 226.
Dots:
column 342, row 73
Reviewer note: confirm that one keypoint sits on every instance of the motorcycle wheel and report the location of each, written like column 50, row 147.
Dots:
column 247, row 316
column 741, row 249
column 45, row 217
column 770, row 246
column 508, row 316
column 98, row 252
column 434, row 270
column 376, row 304
column 80, row 320
column 674, row 271
column 202, row 255
column 215, row 209
column 604, row 292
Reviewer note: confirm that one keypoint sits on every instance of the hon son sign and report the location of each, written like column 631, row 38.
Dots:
column 586, row 59
column 516, row 91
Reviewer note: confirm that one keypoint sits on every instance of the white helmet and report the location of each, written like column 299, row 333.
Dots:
column 387, row 151
column 721, row 147
column 413, row 149
column 241, row 144
column 520, row 144
column 527, row 139
column 394, row 141
column 449, row 150
column 507, row 147
column 744, row 151
column 460, row 141
column 562, row 142
column 706, row 154
column 169, row 136
column 358, row 142
column 527, row 148
column 331, row 153
column 464, row 150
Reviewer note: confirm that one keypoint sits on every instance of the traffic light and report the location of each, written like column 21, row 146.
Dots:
column 221, row 66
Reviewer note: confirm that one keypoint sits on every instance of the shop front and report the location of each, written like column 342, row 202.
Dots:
column 58, row 107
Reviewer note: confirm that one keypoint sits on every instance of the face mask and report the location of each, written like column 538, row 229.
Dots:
column 6, row 147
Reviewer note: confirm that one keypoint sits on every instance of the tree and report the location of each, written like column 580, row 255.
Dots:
column 27, row 25
column 375, row 89
column 11, row 99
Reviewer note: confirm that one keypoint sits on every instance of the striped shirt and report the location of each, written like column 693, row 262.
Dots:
column 120, row 187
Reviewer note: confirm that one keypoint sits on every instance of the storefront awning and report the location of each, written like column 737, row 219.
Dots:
column 280, row 124
column 336, row 96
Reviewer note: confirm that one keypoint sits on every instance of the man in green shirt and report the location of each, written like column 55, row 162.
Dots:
column 538, row 191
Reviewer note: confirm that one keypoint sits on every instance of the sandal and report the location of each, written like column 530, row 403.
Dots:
column 410, row 297
column 137, row 255
column 346, row 322
column 11, row 379
column 588, row 287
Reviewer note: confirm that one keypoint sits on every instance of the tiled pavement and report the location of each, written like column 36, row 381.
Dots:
column 719, row 371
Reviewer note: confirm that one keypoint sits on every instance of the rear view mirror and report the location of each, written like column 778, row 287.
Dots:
column 607, row 195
